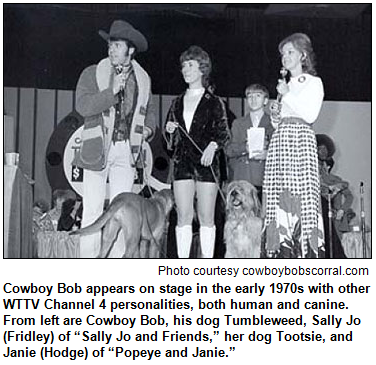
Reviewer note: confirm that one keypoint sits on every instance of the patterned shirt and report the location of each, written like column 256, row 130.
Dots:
column 124, row 109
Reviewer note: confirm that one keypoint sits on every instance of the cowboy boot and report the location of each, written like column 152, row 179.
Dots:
column 207, row 239
column 183, row 240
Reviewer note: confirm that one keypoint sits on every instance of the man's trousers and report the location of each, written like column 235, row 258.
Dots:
column 120, row 175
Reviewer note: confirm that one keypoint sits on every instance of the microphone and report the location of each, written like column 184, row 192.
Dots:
column 363, row 219
column 276, row 114
column 362, row 215
column 120, row 69
column 283, row 72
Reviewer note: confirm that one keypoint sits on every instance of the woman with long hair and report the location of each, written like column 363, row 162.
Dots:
column 196, row 129
column 292, row 209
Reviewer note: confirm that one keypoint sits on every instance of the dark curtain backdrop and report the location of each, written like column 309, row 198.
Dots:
column 47, row 48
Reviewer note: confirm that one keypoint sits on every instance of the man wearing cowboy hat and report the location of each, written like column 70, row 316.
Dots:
column 114, row 97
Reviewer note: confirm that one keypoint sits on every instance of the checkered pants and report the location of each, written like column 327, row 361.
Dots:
column 291, row 188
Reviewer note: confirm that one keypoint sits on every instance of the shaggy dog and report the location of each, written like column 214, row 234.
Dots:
column 140, row 219
column 242, row 232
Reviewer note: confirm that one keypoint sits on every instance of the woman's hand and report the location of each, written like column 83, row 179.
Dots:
column 208, row 154
column 171, row 127
column 282, row 87
column 275, row 107
column 275, row 112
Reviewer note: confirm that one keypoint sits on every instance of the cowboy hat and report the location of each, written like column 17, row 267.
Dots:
column 323, row 139
column 121, row 29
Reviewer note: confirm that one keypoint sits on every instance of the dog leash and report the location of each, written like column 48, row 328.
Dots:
column 211, row 168
column 145, row 177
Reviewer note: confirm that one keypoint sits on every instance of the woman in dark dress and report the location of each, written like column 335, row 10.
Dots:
column 196, row 129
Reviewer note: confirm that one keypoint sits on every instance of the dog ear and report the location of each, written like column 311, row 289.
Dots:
column 257, row 208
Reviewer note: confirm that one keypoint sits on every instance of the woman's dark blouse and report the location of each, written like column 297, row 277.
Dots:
column 209, row 124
